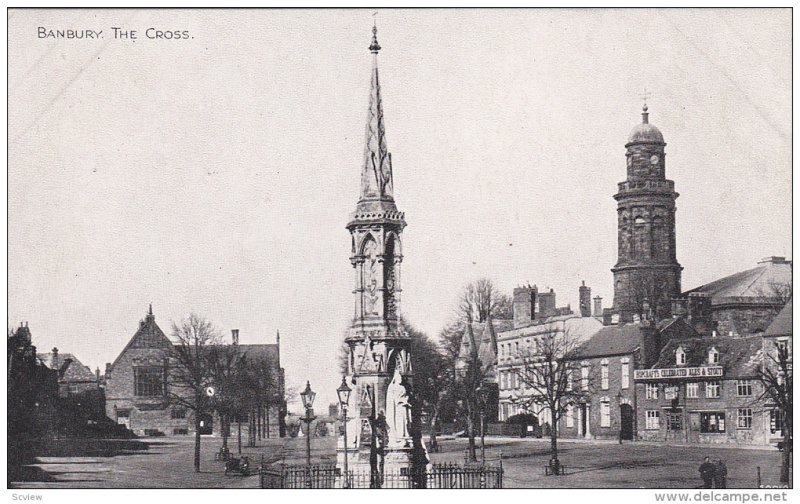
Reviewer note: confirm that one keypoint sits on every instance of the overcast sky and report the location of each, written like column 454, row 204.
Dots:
column 216, row 174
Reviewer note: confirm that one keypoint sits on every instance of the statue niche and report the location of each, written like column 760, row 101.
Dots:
column 370, row 277
column 390, row 280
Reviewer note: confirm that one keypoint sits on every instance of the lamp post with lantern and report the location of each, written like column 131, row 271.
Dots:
column 344, row 399
column 308, row 396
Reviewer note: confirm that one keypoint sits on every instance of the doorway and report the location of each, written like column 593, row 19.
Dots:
column 584, row 421
column 626, row 421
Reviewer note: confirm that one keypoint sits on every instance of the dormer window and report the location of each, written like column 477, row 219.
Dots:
column 680, row 356
column 713, row 356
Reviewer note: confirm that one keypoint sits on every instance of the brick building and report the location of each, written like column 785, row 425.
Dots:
column 705, row 390
column 746, row 302
column 137, row 387
column 778, row 334
column 603, row 370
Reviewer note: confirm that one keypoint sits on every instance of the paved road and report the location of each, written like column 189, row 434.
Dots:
column 168, row 463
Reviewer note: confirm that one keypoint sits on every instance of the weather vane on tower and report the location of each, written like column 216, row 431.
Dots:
column 645, row 95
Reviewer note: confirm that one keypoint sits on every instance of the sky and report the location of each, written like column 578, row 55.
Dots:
column 216, row 173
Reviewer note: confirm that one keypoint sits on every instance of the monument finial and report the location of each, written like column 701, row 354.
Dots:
column 374, row 47
column 645, row 114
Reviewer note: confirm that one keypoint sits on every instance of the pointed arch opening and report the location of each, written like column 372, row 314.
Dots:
column 390, row 276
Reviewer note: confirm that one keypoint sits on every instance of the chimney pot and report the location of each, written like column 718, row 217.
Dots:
column 585, row 300
column 598, row 306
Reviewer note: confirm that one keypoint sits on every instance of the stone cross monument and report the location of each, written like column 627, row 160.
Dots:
column 381, row 423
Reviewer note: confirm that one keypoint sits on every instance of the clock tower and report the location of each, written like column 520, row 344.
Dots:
column 647, row 274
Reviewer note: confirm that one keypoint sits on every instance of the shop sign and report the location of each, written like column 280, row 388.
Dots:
column 691, row 373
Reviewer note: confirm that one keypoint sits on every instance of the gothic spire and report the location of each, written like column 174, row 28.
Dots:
column 376, row 172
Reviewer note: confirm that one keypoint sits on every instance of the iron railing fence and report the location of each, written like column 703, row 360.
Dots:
column 434, row 476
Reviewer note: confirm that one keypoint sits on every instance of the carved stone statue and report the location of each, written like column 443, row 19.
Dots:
column 371, row 278
column 398, row 414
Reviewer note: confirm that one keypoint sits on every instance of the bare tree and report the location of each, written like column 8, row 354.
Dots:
column 227, row 367
column 192, row 371
column 467, row 390
column 775, row 375
column 651, row 296
column 548, row 372
column 480, row 299
column 776, row 294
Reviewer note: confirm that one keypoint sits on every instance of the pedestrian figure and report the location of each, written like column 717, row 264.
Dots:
column 707, row 470
column 720, row 475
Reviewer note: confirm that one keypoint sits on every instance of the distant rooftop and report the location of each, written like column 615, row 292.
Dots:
column 760, row 283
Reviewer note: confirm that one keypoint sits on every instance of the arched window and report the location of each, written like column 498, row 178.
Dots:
column 641, row 238
column 713, row 356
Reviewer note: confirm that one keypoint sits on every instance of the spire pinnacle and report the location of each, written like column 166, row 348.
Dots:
column 150, row 309
column 374, row 47
column 376, row 172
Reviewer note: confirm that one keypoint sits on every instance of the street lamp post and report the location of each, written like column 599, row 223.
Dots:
column 308, row 396
column 344, row 399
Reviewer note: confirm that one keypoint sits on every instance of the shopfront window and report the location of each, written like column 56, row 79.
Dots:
column 712, row 421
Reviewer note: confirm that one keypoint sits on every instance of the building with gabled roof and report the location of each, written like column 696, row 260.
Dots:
column 603, row 369
column 137, row 387
column 706, row 390
column 74, row 377
column 81, row 395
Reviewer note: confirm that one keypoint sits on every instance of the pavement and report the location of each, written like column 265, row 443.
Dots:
column 168, row 463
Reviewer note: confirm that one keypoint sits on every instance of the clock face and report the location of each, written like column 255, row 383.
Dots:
column 654, row 159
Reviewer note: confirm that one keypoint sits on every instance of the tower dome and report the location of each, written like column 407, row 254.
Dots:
column 645, row 132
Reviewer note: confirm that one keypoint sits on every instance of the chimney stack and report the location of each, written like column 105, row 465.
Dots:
column 54, row 362
column 97, row 374
column 547, row 304
column 585, row 300
column 235, row 336
column 108, row 371
column 699, row 308
column 598, row 306
column 523, row 305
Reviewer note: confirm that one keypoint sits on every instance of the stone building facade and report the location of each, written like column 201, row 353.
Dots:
column 705, row 390
column 137, row 387
column 647, row 266
column 535, row 318
column 747, row 302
